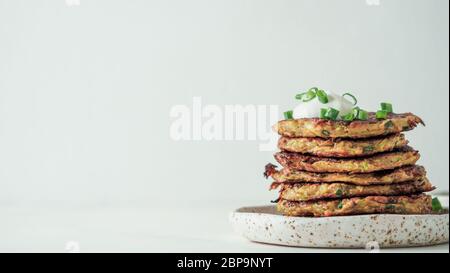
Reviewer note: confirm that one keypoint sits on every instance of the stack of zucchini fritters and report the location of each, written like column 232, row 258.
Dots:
column 344, row 168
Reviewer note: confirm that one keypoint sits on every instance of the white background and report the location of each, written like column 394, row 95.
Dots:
column 86, row 90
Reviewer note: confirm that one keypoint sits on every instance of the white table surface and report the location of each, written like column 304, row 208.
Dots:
column 56, row 227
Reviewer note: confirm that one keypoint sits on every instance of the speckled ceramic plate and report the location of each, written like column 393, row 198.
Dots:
column 265, row 225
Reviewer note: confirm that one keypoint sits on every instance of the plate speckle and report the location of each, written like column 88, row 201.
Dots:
column 263, row 224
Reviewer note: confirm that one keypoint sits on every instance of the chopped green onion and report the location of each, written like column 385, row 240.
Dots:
column 436, row 205
column 389, row 124
column 310, row 95
column 323, row 113
column 325, row 133
column 340, row 205
column 355, row 111
column 349, row 117
column 355, row 101
column 363, row 115
column 368, row 149
column 332, row 113
column 339, row 193
column 389, row 206
column 322, row 96
column 381, row 114
column 288, row 114
column 307, row 96
column 386, row 107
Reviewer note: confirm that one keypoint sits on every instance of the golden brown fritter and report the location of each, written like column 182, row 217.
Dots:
column 403, row 174
column 317, row 191
column 415, row 204
column 384, row 161
column 342, row 147
column 316, row 127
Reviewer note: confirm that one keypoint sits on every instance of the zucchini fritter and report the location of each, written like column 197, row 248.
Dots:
column 342, row 147
column 316, row 127
column 415, row 204
column 384, row 161
column 403, row 174
column 317, row 191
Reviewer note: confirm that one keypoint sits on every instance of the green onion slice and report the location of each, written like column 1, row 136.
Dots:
column 332, row 113
column 355, row 101
column 368, row 149
column 386, row 107
column 323, row 113
column 349, row 117
column 363, row 115
column 310, row 95
column 436, row 204
column 322, row 96
column 307, row 96
column 381, row 114
column 389, row 206
column 325, row 133
column 356, row 111
column 388, row 125
column 288, row 114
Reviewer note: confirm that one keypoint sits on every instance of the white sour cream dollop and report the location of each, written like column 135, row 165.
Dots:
column 311, row 109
